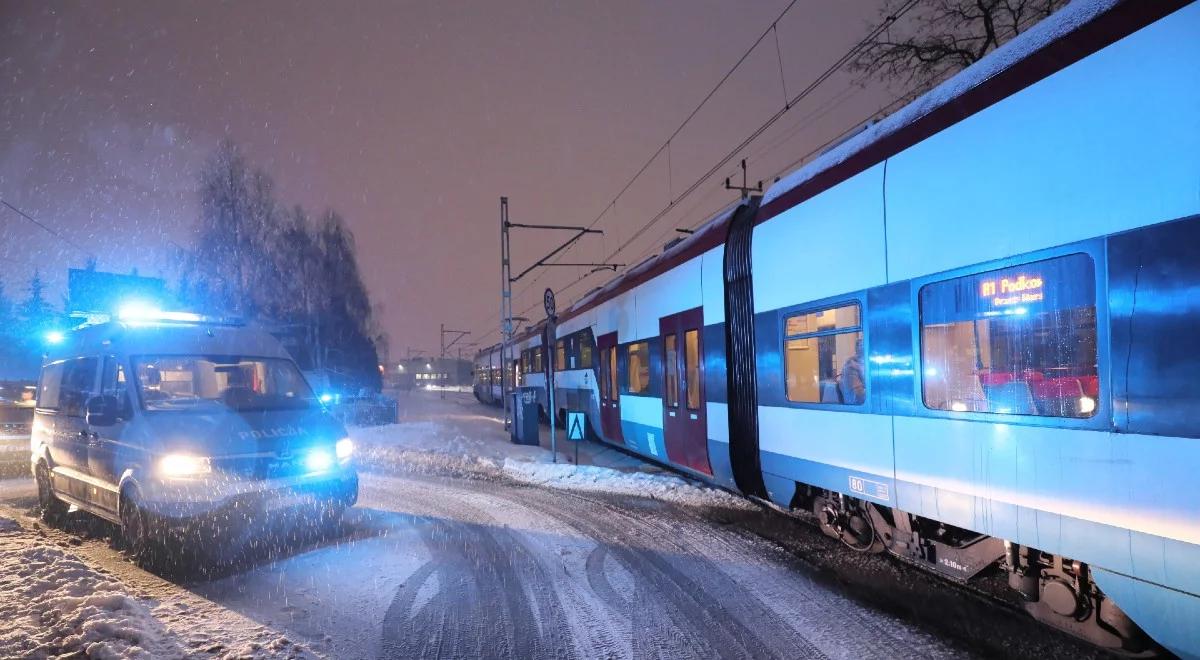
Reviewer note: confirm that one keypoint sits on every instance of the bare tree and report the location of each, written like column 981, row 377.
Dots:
column 938, row 38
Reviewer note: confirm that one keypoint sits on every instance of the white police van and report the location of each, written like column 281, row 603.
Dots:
column 164, row 422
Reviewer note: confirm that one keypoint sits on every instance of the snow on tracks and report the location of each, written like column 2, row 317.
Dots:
column 590, row 478
column 459, row 442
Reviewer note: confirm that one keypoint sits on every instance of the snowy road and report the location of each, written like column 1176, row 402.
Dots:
column 450, row 568
column 452, row 552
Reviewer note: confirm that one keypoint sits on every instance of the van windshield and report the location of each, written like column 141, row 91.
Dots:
column 196, row 382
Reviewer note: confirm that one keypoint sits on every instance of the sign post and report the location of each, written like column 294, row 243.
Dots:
column 576, row 423
column 549, row 341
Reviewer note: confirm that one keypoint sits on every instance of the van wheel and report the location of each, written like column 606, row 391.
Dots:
column 135, row 530
column 51, row 509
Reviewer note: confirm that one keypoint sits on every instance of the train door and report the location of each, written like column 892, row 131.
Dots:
column 685, row 427
column 610, row 394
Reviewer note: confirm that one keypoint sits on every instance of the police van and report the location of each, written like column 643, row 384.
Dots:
column 172, row 421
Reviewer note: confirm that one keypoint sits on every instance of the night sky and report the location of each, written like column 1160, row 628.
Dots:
column 411, row 119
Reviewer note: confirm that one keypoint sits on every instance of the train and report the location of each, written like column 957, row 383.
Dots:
column 964, row 336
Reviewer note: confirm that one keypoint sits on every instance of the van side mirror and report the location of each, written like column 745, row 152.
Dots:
column 102, row 411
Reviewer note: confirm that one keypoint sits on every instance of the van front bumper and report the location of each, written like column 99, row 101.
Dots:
column 182, row 502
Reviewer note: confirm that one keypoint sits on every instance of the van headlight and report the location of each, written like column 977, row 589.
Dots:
column 344, row 448
column 183, row 465
column 318, row 460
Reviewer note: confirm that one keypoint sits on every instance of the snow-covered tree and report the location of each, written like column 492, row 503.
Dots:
column 256, row 259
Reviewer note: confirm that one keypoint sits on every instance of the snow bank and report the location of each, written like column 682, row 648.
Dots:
column 459, row 442
column 55, row 605
column 462, row 441
column 590, row 478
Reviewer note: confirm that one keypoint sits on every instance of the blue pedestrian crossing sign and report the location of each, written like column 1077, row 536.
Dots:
column 575, row 425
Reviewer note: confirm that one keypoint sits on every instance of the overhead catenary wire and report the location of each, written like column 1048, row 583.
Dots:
column 666, row 144
column 49, row 230
column 789, row 103
column 825, row 75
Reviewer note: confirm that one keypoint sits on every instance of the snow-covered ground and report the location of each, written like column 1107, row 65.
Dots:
column 458, row 434
column 53, row 604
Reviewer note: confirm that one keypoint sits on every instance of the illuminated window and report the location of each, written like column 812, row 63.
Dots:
column 585, row 350
column 1020, row 340
column 612, row 373
column 605, row 392
column 560, row 355
column 537, row 359
column 691, row 361
column 671, row 369
column 824, row 360
column 639, row 368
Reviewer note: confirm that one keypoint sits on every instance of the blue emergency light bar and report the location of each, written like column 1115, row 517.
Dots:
column 136, row 313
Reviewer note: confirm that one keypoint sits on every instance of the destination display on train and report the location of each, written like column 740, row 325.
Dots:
column 1018, row 292
column 1015, row 290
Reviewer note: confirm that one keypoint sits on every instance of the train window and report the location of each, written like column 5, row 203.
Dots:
column 671, row 369
column 560, row 355
column 585, row 351
column 691, row 360
column 824, row 356
column 537, row 360
column 1019, row 340
column 604, row 391
column 612, row 374
column 639, row 368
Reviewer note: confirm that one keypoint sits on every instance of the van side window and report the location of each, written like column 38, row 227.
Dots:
column 50, row 387
column 78, row 382
column 1019, row 340
column 824, row 361
column 116, row 386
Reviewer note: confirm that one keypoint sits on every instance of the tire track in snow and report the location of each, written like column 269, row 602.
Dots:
column 491, row 598
column 674, row 606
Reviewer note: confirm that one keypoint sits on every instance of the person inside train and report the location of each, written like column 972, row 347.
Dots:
column 853, row 384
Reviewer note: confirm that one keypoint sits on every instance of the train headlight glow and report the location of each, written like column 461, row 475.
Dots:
column 175, row 466
column 344, row 448
column 1087, row 405
column 318, row 460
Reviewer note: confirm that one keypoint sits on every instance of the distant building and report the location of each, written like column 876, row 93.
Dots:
column 423, row 372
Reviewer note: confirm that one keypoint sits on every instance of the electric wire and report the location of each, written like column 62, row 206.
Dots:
column 788, row 105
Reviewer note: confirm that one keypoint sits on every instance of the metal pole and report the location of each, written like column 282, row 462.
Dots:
column 506, row 323
column 442, row 356
column 550, row 394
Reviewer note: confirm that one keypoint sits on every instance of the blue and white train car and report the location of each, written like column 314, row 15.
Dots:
column 487, row 386
column 964, row 336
